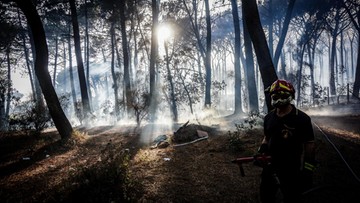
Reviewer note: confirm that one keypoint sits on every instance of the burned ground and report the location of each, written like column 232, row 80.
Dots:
column 108, row 164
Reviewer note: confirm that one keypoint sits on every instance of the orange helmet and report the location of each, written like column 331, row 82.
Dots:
column 282, row 86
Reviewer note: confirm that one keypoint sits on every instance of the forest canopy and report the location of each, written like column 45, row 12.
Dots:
column 105, row 62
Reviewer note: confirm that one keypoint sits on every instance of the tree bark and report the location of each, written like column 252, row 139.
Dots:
column 253, row 96
column 41, row 69
column 81, row 72
column 56, row 58
column 125, row 56
column 208, row 56
column 284, row 30
column 238, row 100
column 113, row 73
column 257, row 35
column 173, row 105
column 153, row 58
column 72, row 85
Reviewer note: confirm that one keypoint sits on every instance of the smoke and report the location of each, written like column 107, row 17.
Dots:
column 334, row 110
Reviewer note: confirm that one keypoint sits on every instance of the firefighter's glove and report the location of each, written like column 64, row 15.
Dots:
column 307, row 175
column 263, row 149
column 309, row 166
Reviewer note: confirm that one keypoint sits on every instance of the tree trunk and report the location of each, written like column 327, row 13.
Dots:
column 56, row 58
column 208, row 56
column 153, row 58
column 299, row 75
column 125, row 56
column 87, row 54
column 72, row 85
column 9, row 84
column 271, row 29
column 285, row 26
column 332, row 66
column 37, row 88
column 238, row 100
column 172, row 88
column 253, row 96
column 113, row 73
column 41, row 69
column 80, row 65
column 311, row 52
column 356, row 87
column 257, row 35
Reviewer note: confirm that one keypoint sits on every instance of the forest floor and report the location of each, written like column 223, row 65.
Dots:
column 110, row 164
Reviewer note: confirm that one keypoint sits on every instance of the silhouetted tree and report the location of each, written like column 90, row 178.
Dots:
column 80, row 65
column 267, row 70
column 238, row 100
column 41, row 69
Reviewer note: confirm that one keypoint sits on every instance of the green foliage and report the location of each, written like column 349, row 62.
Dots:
column 244, row 128
column 320, row 94
column 140, row 103
column 30, row 116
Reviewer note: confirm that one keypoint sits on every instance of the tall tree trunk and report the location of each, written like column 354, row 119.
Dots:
column 299, row 75
column 174, row 111
column 238, row 100
column 257, row 35
column 87, row 53
column 285, row 26
column 8, row 88
column 38, row 92
column 252, row 92
column 271, row 29
column 194, row 24
column 311, row 52
column 72, row 85
column 283, row 67
column 56, row 58
column 41, row 69
column 113, row 72
column 26, row 52
column 332, row 66
column 125, row 49
column 208, row 56
column 153, row 58
column 80, row 65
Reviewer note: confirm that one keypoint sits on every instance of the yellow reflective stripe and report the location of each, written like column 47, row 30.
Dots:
column 284, row 86
column 309, row 166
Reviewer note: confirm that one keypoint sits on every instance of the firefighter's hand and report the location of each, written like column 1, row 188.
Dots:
column 307, row 175
column 263, row 149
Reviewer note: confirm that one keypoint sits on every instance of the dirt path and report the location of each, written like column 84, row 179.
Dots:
column 333, row 178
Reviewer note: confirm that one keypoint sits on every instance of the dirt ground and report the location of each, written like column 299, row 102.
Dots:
column 109, row 164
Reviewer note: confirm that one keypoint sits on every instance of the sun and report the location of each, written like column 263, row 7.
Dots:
column 164, row 33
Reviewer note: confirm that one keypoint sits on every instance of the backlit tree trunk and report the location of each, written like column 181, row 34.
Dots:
column 252, row 92
column 238, row 100
column 80, row 65
column 41, row 69
column 124, row 41
column 208, row 56
column 257, row 35
column 153, row 58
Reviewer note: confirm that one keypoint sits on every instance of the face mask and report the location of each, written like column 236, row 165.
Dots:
column 278, row 100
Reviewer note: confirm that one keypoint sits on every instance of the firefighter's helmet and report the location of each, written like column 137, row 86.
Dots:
column 282, row 92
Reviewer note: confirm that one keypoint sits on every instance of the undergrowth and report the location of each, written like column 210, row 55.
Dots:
column 109, row 180
column 243, row 129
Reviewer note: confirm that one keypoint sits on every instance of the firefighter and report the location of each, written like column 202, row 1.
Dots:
column 289, row 140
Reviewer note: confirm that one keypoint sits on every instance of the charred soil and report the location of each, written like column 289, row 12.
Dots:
column 109, row 164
